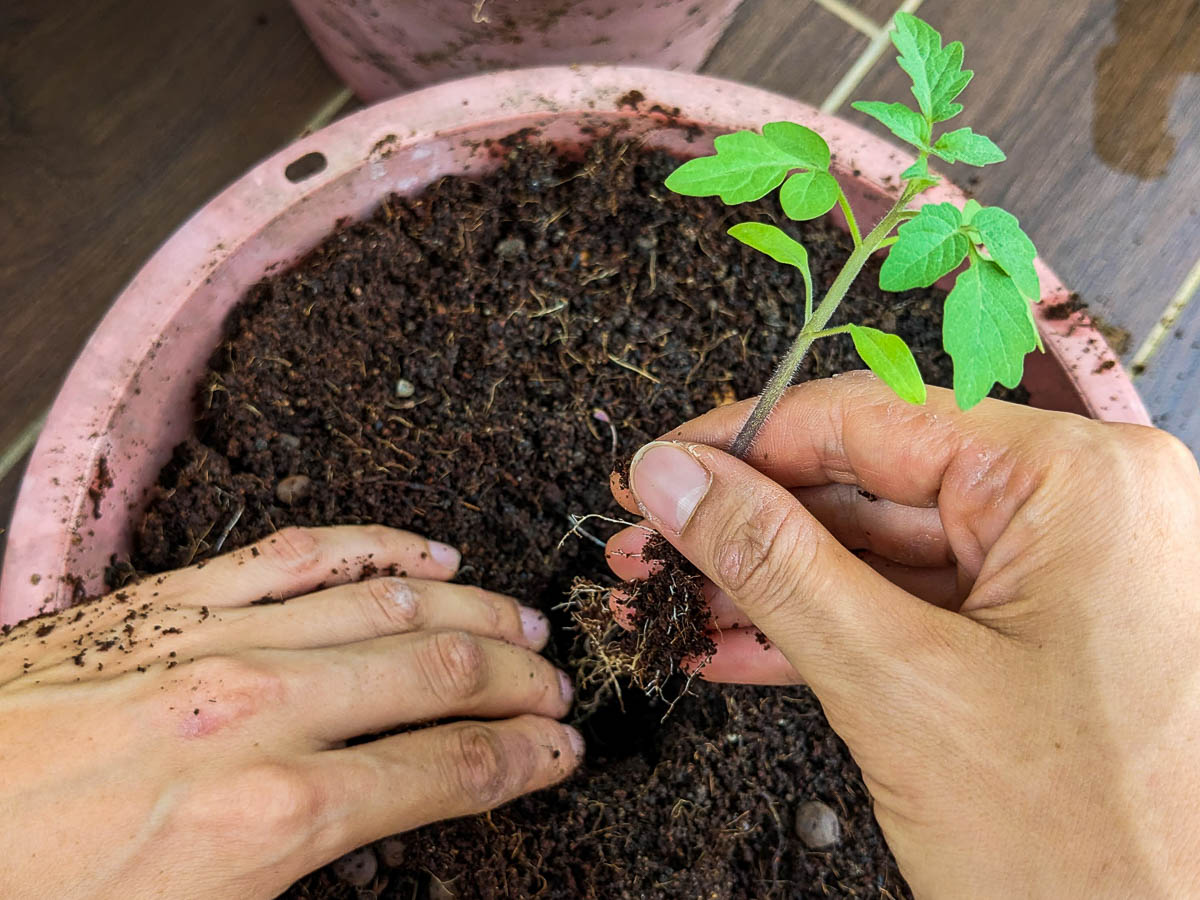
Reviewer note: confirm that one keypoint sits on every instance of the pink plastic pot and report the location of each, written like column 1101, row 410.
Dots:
column 128, row 399
column 382, row 48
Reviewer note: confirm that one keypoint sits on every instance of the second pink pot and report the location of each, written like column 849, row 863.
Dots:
column 382, row 48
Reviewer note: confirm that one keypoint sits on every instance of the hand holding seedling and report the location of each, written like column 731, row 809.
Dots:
column 999, row 614
column 988, row 326
column 185, row 737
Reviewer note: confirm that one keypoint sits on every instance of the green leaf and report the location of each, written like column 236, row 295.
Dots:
column 927, row 247
column 772, row 241
column 748, row 165
column 807, row 195
column 987, row 330
column 964, row 145
column 803, row 145
column 919, row 173
column 1009, row 247
column 937, row 73
column 775, row 243
column 901, row 121
column 889, row 357
column 970, row 208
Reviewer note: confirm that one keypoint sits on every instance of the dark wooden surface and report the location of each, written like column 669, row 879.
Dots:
column 794, row 47
column 118, row 118
column 1171, row 383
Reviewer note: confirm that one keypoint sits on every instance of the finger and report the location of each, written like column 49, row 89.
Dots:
column 722, row 612
column 978, row 468
column 355, row 612
column 375, row 685
column 623, row 553
column 622, row 493
column 909, row 535
column 623, row 613
column 857, row 518
column 395, row 784
column 937, row 586
column 379, row 607
column 843, row 626
column 299, row 560
column 743, row 657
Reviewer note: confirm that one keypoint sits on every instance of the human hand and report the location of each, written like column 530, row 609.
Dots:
column 185, row 736
column 1012, row 662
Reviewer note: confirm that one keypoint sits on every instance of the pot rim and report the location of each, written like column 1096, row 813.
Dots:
column 55, row 482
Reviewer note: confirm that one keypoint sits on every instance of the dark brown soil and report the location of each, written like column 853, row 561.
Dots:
column 470, row 365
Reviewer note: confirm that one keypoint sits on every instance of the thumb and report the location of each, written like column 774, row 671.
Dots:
column 850, row 633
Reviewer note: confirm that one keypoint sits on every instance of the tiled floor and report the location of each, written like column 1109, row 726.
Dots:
column 119, row 117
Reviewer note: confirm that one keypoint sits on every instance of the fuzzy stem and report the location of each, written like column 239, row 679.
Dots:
column 812, row 329
column 850, row 221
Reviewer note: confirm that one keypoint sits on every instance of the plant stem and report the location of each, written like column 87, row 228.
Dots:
column 849, row 214
column 813, row 329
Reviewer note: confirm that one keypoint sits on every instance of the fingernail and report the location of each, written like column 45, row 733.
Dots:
column 576, row 741
column 669, row 483
column 565, row 687
column 534, row 626
column 445, row 555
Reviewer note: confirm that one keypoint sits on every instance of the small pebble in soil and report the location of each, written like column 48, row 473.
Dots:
column 293, row 489
column 405, row 389
column 510, row 248
column 357, row 868
column 289, row 440
column 817, row 825
column 392, row 850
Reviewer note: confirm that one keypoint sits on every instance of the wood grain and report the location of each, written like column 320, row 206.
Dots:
column 9, row 485
column 1091, row 103
column 118, row 118
column 794, row 47
column 1171, row 383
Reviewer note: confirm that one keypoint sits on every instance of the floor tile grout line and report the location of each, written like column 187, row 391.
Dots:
column 854, row 18
column 15, row 452
column 857, row 72
column 1187, row 292
column 23, row 442
column 327, row 111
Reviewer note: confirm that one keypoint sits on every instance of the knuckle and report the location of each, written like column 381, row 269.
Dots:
column 390, row 605
column 483, row 770
column 765, row 556
column 234, row 687
column 296, row 551
column 281, row 799
column 268, row 806
column 1167, row 450
column 234, row 674
column 456, row 666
